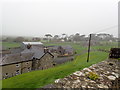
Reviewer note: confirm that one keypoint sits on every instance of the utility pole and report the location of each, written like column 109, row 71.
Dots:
column 89, row 48
column 118, row 28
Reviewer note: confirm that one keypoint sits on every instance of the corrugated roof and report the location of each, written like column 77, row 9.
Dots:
column 32, row 43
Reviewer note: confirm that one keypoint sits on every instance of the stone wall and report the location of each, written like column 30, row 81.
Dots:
column 107, row 71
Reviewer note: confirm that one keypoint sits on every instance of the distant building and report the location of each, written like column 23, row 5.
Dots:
column 66, row 50
column 24, row 44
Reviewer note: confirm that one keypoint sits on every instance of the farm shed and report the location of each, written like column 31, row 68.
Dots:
column 25, row 44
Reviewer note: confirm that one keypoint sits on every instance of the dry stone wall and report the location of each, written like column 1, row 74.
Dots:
column 108, row 72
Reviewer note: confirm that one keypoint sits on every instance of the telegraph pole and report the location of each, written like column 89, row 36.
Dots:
column 119, row 24
column 89, row 48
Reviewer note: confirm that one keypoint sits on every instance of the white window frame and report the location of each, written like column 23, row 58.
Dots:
column 27, row 63
column 6, row 74
column 18, row 65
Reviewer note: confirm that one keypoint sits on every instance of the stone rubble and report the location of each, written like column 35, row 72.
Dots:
column 108, row 72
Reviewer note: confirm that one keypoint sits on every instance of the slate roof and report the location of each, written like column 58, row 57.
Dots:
column 27, row 54
column 38, row 51
column 67, row 48
column 15, row 58
column 16, row 50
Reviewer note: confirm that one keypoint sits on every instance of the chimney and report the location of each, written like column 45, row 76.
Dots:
column 46, row 50
column 28, row 46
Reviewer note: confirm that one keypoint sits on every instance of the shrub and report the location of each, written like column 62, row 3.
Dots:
column 93, row 76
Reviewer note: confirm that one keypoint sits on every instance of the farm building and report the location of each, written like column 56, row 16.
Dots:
column 66, row 50
column 15, row 64
column 32, row 58
column 24, row 44
column 43, row 59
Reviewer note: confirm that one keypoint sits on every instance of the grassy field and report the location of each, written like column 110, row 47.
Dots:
column 37, row 79
column 7, row 45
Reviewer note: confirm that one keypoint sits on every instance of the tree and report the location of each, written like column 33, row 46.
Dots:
column 64, row 37
column 70, row 38
column 19, row 39
column 76, row 37
column 48, row 36
column 56, row 36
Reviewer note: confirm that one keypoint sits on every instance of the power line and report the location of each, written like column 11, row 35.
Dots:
column 115, row 26
column 95, row 33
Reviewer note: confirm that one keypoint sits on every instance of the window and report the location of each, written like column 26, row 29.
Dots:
column 27, row 63
column 17, row 65
column 6, row 74
column 17, row 72
column 29, row 69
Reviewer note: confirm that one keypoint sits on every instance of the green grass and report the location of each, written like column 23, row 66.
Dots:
column 10, row 44
column 37, row 79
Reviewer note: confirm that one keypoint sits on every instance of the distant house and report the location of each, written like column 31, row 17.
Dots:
column 66, row 50
column 32, row 58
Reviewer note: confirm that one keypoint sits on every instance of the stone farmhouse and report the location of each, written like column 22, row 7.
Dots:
column 42, row 58
column 31, row 58
column 15, row 64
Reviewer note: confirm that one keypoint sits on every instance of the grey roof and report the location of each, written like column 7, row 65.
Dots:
column 16, row 50
column 38, row 51
column 15, row 58
column 27, row 56
column 68, row 48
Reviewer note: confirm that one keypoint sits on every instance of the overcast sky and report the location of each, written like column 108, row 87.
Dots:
column 38, row 17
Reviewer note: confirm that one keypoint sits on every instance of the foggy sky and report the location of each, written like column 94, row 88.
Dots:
column 38, row 17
